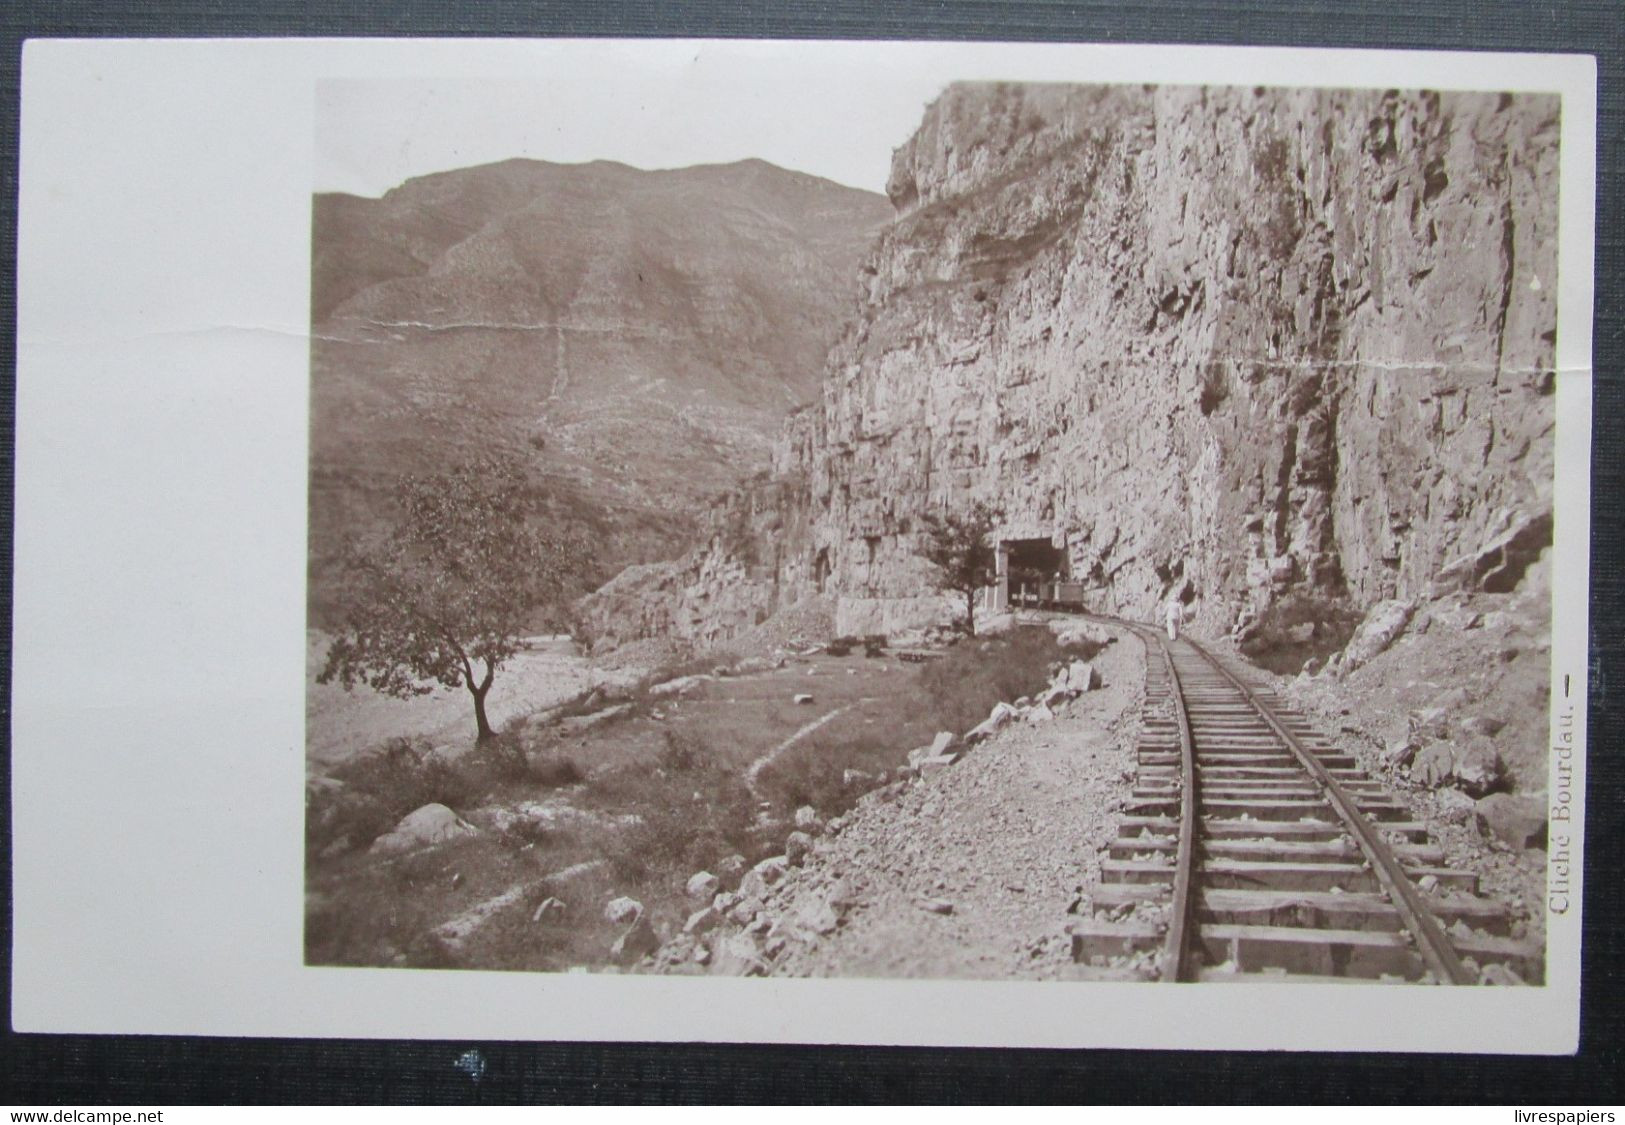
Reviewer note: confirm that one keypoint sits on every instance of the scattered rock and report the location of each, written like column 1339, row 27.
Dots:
column 682, row 685
column 1517, row 820
column 702, row 885
column 636, row 943
column 1433, row 765
column 1478, row 767
column 1482, row 725
column 1453, row 806
column 431, row 824
column 803, row 697
column 1380, row 629
column 937, row 905
column 996, row 721
column 623, row 910
column 1302, row 633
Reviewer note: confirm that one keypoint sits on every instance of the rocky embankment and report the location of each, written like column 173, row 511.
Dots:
column 963, row 867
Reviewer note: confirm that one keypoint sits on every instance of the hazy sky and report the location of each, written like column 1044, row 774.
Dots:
column 792, row 108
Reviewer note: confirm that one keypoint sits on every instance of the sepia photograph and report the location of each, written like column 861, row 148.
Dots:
column 776, row 542
column 1109, row 540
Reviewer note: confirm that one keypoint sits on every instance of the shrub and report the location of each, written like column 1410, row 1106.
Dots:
column 555, row 771
column 683, row 752
column 962, row 687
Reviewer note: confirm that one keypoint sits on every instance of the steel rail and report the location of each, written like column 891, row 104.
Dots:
column 1431, row 942
column 1174, row 964
column 1176, row 947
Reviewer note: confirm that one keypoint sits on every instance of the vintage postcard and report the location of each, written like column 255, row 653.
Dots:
column 803, row 542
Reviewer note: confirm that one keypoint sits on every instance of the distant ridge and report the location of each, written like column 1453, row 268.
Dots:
column 638, row 335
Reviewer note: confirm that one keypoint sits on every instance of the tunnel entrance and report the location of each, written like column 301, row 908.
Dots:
column 1032, row 570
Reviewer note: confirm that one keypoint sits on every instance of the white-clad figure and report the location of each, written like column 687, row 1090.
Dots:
column 1174, row 615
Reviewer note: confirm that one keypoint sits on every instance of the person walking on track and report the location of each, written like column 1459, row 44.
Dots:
column 1174, row 616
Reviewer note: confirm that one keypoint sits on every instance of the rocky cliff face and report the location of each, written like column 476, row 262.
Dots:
column 1222, row 344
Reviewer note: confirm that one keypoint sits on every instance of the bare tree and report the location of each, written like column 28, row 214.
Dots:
column 960, row 546
column 445, row 596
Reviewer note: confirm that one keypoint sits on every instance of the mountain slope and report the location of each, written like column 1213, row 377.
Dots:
column 638, row 336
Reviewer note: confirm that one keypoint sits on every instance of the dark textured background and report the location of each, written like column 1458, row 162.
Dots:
column 95, row 1069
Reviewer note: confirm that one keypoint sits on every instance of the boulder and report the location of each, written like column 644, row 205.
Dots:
column 1434, row 765
column 936, row 905
column 996, row 721
column 576, row 724
column 702, row 920
column 1040, row 714
column 724, row 902
column 738, row 956
column 1517, row 820
column 815, row 916
column 855, row 779
column 702, row 885
column 764, row 875
column 636, row 943
column 803, row 698
column 1478, row 767
column 833, row 828
column 808, row 820
column 1380, row 629
column 682, row 685
column 732, row 867
column 623, row 910
column 943, row 742
column 430, row 824
column 930, row 767
column 1301, row 634
column 1432, row 722
column 797, row 846
column 1399, row 753
column 1082, row 676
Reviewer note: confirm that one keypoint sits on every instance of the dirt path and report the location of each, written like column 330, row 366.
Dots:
column 1005, row 837
column 754, row 770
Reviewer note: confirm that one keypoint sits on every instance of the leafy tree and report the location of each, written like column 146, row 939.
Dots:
column 960, row 546
column 446, row 594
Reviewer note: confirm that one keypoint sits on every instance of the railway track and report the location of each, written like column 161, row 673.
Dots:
column 1254, row 849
